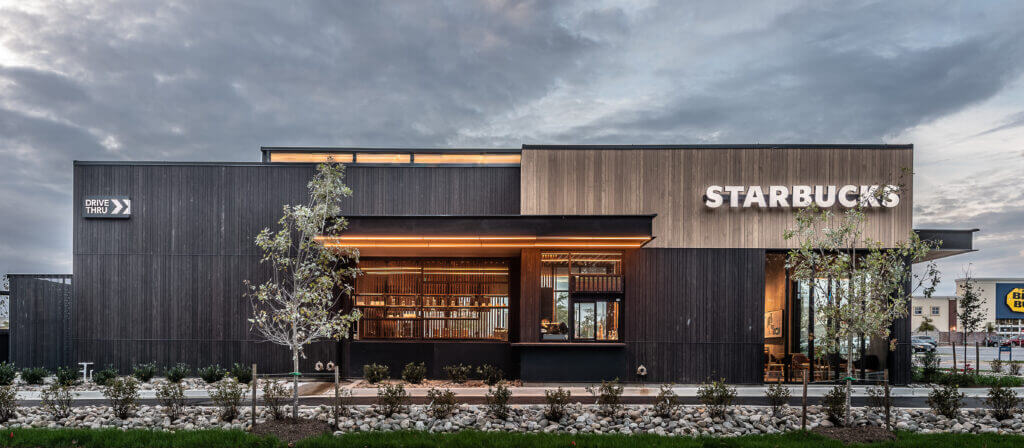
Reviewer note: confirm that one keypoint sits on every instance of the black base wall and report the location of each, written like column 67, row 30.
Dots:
column 572, row 364
column 435, row 355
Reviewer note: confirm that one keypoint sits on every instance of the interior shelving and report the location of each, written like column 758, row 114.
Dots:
column 433, row 299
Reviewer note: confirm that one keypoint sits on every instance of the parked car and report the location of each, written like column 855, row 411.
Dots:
column 1014, row 341
column 994, row 341
column 920, row 345
column 929, row 340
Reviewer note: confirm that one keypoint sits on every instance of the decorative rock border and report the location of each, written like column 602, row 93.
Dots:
column 189, row 383
column 687, row 421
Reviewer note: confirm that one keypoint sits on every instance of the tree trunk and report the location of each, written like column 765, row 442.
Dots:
column 977, row 358
column 965, row 353
column 295, row 384
column 849, row 374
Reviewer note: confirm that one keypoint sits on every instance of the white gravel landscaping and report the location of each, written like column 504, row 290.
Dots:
column 688, row 421
column 188, row 383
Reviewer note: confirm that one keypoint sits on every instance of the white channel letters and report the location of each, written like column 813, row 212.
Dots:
column 780, row 196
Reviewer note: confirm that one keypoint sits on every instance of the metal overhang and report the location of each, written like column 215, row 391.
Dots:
column 950, row 242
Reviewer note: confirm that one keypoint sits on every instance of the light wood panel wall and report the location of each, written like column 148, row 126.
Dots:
column 672, row 182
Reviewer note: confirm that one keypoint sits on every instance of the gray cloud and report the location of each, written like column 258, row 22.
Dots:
column 194, row 80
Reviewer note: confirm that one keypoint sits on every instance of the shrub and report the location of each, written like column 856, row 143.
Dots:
column 557, row 401
column 7, row 373
column 946, row 400
column 241, row 372
column 339, row 404
column 34, row 375
column 1014, row 368
column 834, row 402
column 178, row 372
column 996, row 366
column 275, row 395
column 929, row 363
column 442, row 402
column 375, row 373
column 490, row 374
column 877, row 402
column 391, row 398
column 172, row 397
column 964, row 380
column 56, row 399
column 414, row 373
column 777, row 396
column 497, row 399
column 105, row 376
column 212, row 374
column 458, row 373
column 8, row 402
column 608, row 396
column 717, row 396
column 67, row 376
column 144, row 372
column 227, row 394
column 666, row 402
column 123, row 393
column 1002, row 401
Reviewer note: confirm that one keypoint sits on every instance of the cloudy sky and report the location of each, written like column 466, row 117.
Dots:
column 214, row 80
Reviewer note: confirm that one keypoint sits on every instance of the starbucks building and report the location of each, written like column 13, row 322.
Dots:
column 554, row 262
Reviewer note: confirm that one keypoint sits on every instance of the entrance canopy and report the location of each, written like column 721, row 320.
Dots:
column 950, row 241
column 492, row 235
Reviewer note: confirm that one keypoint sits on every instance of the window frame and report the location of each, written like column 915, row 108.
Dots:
column 577, row 297
column 936, row 310
column 918, row 310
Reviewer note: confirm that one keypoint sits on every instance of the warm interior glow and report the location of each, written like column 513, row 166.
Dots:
column 475, row 159
column 310, row 157
column 568, row 242
column 373, row 157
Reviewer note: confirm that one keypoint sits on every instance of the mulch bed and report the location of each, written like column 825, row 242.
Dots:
column 289, row 430
column 860, row 434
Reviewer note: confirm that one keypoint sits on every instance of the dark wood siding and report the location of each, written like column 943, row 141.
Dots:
column 167, row 284
column 691, row 314
column 39, row 316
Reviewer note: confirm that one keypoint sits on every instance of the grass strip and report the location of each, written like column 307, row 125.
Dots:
column 114, row 438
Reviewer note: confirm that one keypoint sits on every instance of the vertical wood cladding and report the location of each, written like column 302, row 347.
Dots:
column 39, row 320
column 529, row 296
column 672, row 182
column 167, row 284
column 691, row 314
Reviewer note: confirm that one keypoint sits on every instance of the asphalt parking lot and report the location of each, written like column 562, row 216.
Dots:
column 945, row 353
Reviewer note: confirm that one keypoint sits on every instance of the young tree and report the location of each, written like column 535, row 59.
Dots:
column 926, row 325
column 300, row 303
column 970, row 314
column 860, row 285
column 5, row 301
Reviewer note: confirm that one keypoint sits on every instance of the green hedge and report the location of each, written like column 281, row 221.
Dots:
column 113, row 438
column 944, row 377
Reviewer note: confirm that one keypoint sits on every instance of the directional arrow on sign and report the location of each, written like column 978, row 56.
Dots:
column 107, row 206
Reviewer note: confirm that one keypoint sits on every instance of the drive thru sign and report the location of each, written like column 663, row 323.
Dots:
column 118, row 207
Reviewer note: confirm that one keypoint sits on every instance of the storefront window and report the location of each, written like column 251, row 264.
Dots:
column 433, row 299
column 581, row 291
